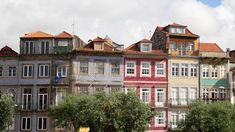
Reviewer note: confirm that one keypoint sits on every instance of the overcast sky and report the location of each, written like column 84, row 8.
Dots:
column 125, row 21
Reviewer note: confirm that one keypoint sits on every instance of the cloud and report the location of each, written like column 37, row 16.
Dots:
column 125, row 21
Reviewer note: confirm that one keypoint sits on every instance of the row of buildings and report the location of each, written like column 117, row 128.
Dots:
column 168, row 72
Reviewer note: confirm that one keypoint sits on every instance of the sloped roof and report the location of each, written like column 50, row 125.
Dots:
column 64, row 35
column 134, row 48
column 7, row 51
column 187, row 33
column 37, row 34
column 209, row 47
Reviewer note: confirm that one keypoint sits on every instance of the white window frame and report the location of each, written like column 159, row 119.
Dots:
column 80, row 71
column 174, row 71
column 29, row 43
column 160, row 116
column 97, row 67
column 143, row 97
column 180, row 30
column 144, row 68
column 174, row 119
column 205, row 94
column 119, row 68
column 44, row 71
column 163, row 69
column 184, row 70
column 12, row 72
column 59, row 95
column 175, row 95
column 190, row 46
column 159, row 93
column 214, row 72
column 28, row 105
column 184, row 96
column 62, row 71
column 62, row 43
column 44, row 46
column 222, row 71
column 134, row 68
column 172, row 46
column 44, row 97
column 26, row 126
column 193, row 70
column 146, row 44
column 42, row 119
column 27, row 71
column 172, row 30
column 205, row 71
column 192, row 94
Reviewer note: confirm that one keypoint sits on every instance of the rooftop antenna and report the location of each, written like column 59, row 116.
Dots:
column 73, row 27
column 150, row 33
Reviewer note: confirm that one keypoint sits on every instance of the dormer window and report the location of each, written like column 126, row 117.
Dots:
column 146, row 47
column 172, row 30
column 98, row 46
column 179, row 30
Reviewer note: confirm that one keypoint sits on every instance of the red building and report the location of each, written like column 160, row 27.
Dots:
column 146, row 73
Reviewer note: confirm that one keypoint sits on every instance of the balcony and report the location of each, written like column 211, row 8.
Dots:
column 62, row 49
column 180, row 102
column 32, row 107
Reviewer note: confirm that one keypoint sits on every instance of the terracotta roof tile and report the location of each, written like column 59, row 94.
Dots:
column 98, row 39
column 209, row 47
column 7, row 51
column 134, row 49
column 176, row 25
column 64, row 35
column 37, row 34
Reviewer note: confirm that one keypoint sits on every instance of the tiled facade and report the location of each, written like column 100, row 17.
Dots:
column 167, row 72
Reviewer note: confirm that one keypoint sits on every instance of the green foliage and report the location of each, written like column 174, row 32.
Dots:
column 215, row 117
column 7, row 111
column 104, row 112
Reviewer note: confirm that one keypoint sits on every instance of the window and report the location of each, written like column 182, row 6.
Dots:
column 27, row 99
column 1, row 71
column 160, row 69
column 43, row 70
column 174, row 96
column 179, row 30
column 130, row 68
column 205, row 71
column 44, row 47
column 193, row 70
column 214, row 72
column 146, row 47
column 159, row 97
column 159, row 119
column 28, row 47
column 172, row 46
column 172, row 30
column 59, row 95
column 84, row 67
column 99, row 65
column 115, row 68
column 222, row 71
column 25, row 123
column 174, row 119
column 175, row 69
column 182, row 116
column 62, row 71
column 181, row 48
column 184, row 96
column 214, row 94
column 129, row 89
column 191, row 46
column 42, row 123
column 11, row 71
column 99, row 89
column 62, row 43
column 222, row 93
column 98, row 46
column 184, row 69
column 145, row 95
column 42, row 99
column 83, row 90
column 193, row 94
column 205, row 94
column 145, row 69
column 27, row 70
column 13, row 94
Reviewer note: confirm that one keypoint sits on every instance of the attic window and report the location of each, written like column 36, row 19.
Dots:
column 98, row 46
column 62, row 43
column 146, row 47
column 179, row 30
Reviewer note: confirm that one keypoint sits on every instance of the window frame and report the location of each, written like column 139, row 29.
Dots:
column 184, row 96
column 44, row 71
column 45, row 96
column 191, row 46
column 27, row 119
column 172, row 43
column 214, row 72
column 175, row 95
column 144, row 68
column 28, row 104
column 97, row 62
column 29, row 45
column 148, row 98
column 42, row 129
column 143, row 49
column 13, row 72
column 175, row 69
column 193, row 70
column 205, row 71
column 134, row 68
column 184, row 70
column 222, row 71
column 159, row 92
column 156, row 68
column 80, row 67
column 161, row 116
column 27, row 72
column 60, row 70
column 111, row 68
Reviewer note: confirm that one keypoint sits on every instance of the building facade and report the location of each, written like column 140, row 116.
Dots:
column 183, row 68
column 98, row 66
column 146, row 74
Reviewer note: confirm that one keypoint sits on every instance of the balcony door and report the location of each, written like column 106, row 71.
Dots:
column 181, row 48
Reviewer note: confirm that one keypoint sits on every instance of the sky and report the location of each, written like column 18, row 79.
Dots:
column 124, row 21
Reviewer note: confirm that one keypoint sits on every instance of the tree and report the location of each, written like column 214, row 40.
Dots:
column 103, row 112
column 215, row 117
column 7, row 110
